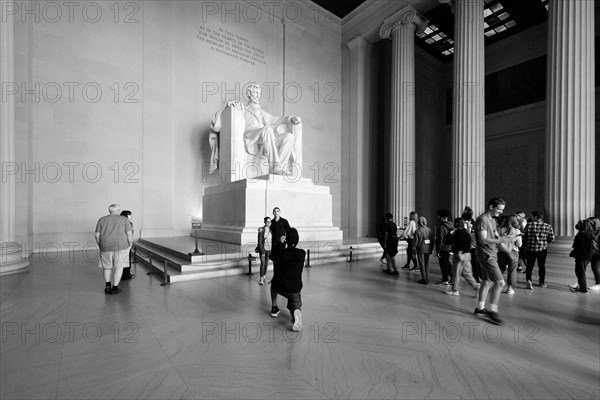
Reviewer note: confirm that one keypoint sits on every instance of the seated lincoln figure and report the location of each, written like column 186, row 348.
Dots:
column 266, row 136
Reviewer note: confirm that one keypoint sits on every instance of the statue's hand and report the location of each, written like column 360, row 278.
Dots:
column 295, row 120
column 236, row 104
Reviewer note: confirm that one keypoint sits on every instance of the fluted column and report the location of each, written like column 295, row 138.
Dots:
column 10, row 252
column 357, row 200
column 402, row 27
column 570, row 108
column 468, row 114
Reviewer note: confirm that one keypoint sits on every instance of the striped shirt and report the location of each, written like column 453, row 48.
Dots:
column 537, row 235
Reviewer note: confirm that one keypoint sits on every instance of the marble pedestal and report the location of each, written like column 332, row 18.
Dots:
column 11, row 259
column 233, row 211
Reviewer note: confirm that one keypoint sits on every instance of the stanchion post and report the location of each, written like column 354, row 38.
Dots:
column 308, row 259
column 165, row 276
column 150, row 262
column 134, row 262
column 350, row 259
column 250, row 259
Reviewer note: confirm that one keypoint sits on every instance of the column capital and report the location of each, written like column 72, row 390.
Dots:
column 357, row 41
column 451, row 3
column 406, row 16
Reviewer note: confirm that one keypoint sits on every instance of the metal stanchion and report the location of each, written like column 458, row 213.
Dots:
column 308, row 259
column 350, row 259
column 134, row 262
column 150, row 262
column 250, row 259
column 165, row 276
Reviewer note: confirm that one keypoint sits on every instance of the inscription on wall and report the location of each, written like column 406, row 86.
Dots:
column 232, row 45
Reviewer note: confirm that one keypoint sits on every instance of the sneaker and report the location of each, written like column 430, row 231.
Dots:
column 297, row 327
column 452, row 293
column 406, row 267
column 423, row 282
column 115, row 290
column 493, row 317
column 261, row 281
column 415, row 269
column 444, row 283
column 594, row 287
column 543, row 285
column 577, row 290
column 574, row 286
column 481, row 313
column 529, row 285
column 520, row 269
column 510, row 291
column 382, row 260
column 396, row 273
column 107, row 290
column 274, row 312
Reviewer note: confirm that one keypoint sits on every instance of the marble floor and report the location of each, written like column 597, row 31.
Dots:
column 367, row 335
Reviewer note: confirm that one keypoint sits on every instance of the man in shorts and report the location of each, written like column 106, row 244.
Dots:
column 486, row 250
column 114, row 235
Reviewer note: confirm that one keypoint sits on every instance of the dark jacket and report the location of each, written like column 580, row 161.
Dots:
column 391, row 238
column 422, row 243
column 278, row 229
column 445, row 229
column 287, row 269
column 583, row 246
column 462, row 241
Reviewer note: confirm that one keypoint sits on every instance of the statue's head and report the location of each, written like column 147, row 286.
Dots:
column 254, row 92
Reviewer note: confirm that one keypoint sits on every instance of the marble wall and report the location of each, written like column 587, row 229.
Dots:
column 114, row 101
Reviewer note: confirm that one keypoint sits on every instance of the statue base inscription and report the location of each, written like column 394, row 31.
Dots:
column 233, row 211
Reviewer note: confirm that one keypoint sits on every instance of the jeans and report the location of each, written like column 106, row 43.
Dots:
column 409, row 252
column 580, row 268
column 540, row 256
column 476, row 266
column 510, row 262
column 445, row 264
column 264, row 262
column 423, row 264
column 461, row 266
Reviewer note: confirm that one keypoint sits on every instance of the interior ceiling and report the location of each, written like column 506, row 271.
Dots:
column 524, row 13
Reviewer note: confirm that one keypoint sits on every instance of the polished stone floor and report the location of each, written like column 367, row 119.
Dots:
column 367, row 335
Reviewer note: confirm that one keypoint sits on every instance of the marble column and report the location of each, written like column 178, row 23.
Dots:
column 401, row 27
column 10, row 252
column 468, row 113
column 570, row 112
column 357, row 202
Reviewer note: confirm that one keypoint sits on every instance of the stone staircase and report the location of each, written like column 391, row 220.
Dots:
column 176, row 256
